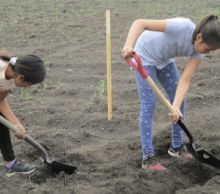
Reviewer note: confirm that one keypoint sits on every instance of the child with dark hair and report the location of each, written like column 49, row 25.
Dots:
column 158, row 42
column 16, row 72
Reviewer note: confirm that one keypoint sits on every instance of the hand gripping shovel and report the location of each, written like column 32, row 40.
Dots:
column 53, row 166
column 197, row 151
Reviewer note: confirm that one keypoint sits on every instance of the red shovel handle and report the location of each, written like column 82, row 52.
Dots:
column 137, row 65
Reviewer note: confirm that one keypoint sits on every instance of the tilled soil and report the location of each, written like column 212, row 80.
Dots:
column 68, row 113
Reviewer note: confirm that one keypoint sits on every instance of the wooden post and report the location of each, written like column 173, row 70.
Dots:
column 109, row 68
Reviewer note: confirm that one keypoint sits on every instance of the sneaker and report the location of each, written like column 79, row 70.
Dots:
column 152, row 164
column 180, row 152
column 20, row 168
column 147, row 162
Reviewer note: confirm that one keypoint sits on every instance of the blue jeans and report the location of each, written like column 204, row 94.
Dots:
column 168, row 78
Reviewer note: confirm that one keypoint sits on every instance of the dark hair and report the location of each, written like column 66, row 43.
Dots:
column 30, row 66
column 209, row 28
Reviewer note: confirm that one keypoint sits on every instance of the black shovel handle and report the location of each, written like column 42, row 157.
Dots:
column 38, row 146
column 27, row 138
column 183, row 126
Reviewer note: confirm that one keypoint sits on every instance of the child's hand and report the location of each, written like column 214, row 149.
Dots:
column 126, row 52
column 175, row 115
column 21, row 131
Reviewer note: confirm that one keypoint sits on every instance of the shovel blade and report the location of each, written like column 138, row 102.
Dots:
column 203, row 156
column 57, row 167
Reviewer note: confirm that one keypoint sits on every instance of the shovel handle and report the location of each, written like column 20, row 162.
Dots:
column 27, row 138
column 137, row 65
column 186, row 130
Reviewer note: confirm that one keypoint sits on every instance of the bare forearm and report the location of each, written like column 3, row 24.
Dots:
column 133, row 34
column 8, row 113
column 181, row 91
column 139, row 26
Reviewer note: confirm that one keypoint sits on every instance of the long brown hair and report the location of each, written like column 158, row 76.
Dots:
column 209, row 28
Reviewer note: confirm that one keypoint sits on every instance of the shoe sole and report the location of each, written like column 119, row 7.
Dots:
column 183, row 155
column 14, row 173
column 155, row 167
column 173, row 154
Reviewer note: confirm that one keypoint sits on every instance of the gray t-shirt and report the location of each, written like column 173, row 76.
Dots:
column 160, row 48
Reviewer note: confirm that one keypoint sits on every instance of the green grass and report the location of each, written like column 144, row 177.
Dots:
column 101, row 89
column 26, row 93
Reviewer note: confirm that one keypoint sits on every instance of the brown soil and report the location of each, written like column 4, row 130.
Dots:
column 68, row 115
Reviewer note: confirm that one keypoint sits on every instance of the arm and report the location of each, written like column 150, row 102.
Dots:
column 6, row 111
column 140, row 25
column 183, row 87
column 137, row 28
column 185, row 81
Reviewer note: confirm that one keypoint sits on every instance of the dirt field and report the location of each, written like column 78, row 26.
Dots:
column 68, row 115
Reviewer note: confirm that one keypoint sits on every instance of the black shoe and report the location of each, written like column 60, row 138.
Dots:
column 20, row 168
column 180, row 152
column 152, row 164
column 148, row 162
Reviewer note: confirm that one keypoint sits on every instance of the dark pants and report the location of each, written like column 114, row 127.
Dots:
column 5, row 144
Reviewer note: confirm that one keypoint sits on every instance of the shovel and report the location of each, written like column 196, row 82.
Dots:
column 53, row 166
column 197, row 151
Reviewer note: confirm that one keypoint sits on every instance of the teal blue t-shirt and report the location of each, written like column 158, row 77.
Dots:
column 160, row 48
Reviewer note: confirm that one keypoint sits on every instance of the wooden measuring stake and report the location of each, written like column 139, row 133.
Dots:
column 109, row 68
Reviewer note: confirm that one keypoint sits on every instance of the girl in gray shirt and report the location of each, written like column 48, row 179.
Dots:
column 158, row 42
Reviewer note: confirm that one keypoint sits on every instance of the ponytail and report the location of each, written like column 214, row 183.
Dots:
column 5, row 55
column 5, row 58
